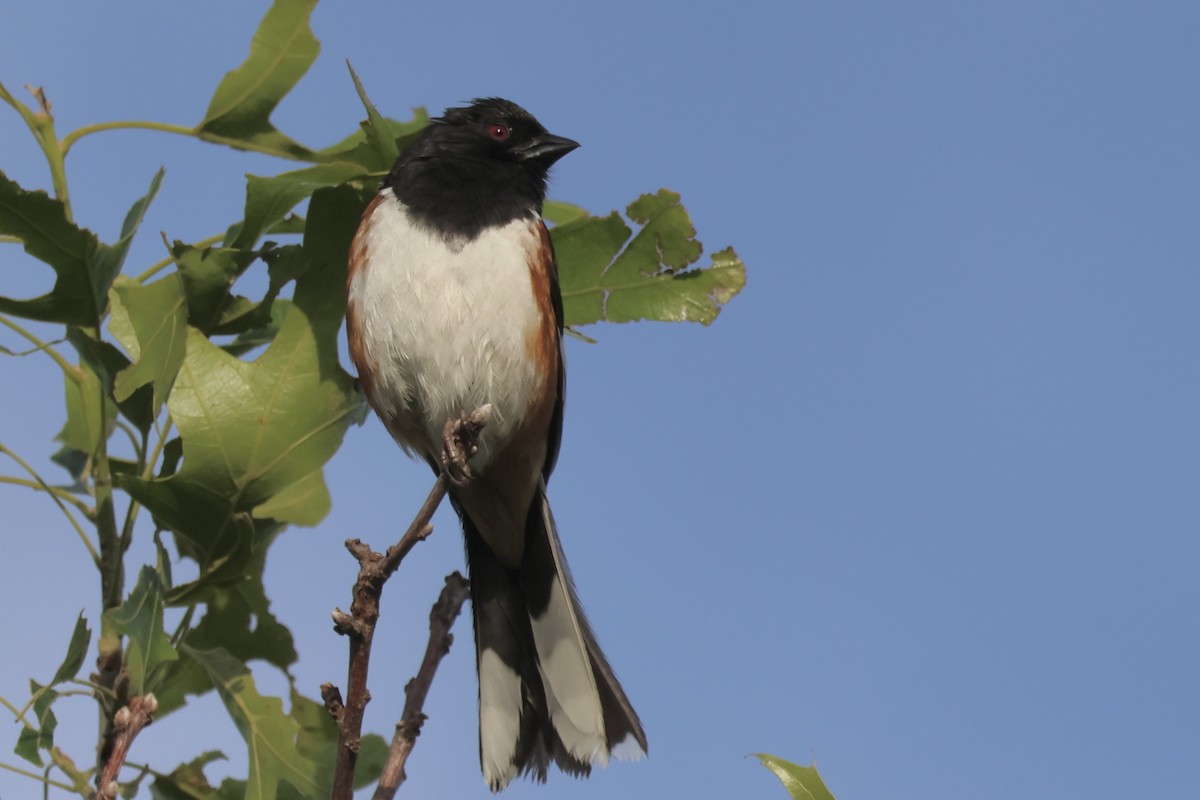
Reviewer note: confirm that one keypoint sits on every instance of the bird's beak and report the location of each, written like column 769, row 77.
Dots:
column 547, row 147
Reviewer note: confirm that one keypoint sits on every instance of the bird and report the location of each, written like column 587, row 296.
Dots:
column 453, row 304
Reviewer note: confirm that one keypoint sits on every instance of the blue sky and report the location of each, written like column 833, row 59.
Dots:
column 921, row 505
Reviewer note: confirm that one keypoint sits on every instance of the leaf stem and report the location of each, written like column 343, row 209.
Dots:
column 58, row 492
column 163, row 127
column 66, row 512
column 40, row 778
column 69, row 369
column 182, row 130
column 41, row 125
column 18, row 714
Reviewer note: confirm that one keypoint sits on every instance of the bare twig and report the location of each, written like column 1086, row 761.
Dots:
column 441, row 620
column 126, row 725
column 461, row 441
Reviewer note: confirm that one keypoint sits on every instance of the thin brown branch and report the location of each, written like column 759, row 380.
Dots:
column 126, row 725
column 374, row 569
column 441, row 620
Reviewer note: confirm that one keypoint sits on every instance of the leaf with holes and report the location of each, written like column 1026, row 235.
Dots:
column 651, row 278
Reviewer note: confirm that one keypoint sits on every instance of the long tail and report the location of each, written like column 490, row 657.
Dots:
column 546, row 690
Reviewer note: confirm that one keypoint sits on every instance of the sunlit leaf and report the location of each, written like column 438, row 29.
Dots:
column 561, row 213
column 281, row 52
column 269, row 733
column 651, row 278
column 140, row 618
column 156, row 314
column 802, row 783
column 305, row 502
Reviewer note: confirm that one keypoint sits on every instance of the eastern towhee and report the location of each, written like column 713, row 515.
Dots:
column 454, row 304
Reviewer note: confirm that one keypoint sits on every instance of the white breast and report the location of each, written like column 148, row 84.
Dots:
column 448, row 330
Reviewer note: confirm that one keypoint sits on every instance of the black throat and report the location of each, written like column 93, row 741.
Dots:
column 460, row 196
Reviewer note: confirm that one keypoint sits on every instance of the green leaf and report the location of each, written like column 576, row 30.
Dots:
column 208, row 274
column 283, row 49
column 237, row 618
column 150, row 322
column 80, row 778
column 318, row 740
column 268, row 200
column 140, row 618
column 81, row 637
column 41, row 223
column 271, row 736
column 105, row 264
column 378, row 136
column 252, row 430
column 368, row 146
column 561, row 213
column 41, row 736
column 187, row 781
column 802, row 783
column 305, row 502
column 649, row 279
column 87, row 420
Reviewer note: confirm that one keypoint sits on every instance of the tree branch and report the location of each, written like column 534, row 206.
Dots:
column 127, row 724
column 441, row 620
column 461, row 438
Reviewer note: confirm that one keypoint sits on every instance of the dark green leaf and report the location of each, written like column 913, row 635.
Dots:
column 262, row 335
column 140, row 618
column 649, row 279
column 368, row 148
column 30, row 741
column 41, row 223
column 150, row 322
column 269, row 733
column 81, row 637
column 802, row 783
column 378, row 135
column 282, row 51
column 208, row 274
column 105, row 264
column 268, row 200
column 88, row 420
column 237, row 617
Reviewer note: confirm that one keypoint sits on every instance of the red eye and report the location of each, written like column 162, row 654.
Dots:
column 497, row 131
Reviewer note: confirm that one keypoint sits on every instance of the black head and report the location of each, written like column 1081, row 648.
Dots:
column 473, row 167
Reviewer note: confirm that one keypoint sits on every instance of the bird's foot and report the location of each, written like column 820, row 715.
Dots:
column 460, row 441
